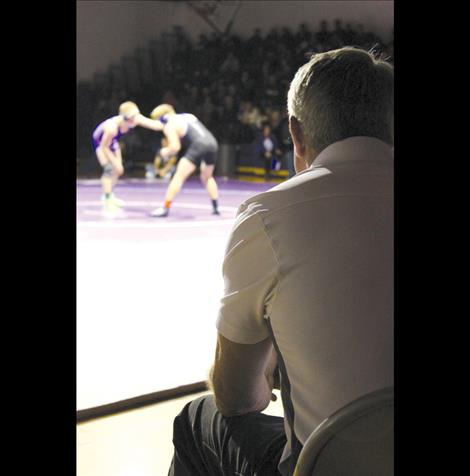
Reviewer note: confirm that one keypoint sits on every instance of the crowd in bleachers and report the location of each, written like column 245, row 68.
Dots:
column 234, row 85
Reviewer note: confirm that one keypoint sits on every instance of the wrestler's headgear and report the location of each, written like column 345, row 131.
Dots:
column 128, row 109
column 161, row 110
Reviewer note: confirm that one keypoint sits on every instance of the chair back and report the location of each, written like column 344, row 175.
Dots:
column 357, row 440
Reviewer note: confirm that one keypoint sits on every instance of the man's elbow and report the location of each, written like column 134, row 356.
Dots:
column 227, row 406
column 236, row 405
column 230, row 408
column 173, row 150
column 227, row 410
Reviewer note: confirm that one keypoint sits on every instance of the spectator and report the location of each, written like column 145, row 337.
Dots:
column 287, row 38
column 170, row 98
column 284, row 138
column 272, row 91
column 255, row 41
column 304, row 37
column 250, row 115
column 318, row 306
column 208, row 110
column 268, row 150
column 230, row 66
column 338, row 39
column 349, row 36
column 274, row 119
column 323, row 35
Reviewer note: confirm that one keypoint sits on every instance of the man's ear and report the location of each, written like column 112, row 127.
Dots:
column 298, row 137
column 300, row 147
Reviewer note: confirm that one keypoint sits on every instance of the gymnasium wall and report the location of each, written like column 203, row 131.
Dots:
column 107, row 30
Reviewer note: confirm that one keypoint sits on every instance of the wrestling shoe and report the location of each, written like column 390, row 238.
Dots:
column 160, row 212
column 117, row 201
column 110, row 208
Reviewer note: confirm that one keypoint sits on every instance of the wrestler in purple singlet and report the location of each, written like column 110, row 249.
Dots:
column 98, row 135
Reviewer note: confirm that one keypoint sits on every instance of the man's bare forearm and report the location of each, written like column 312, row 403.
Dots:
column 243, row 384
column 233, row 402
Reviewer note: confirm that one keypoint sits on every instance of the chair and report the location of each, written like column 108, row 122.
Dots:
column 357, row 440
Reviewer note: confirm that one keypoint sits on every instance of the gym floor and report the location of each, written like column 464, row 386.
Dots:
column 148, row 291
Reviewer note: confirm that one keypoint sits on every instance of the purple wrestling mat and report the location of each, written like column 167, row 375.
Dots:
column 148, row 290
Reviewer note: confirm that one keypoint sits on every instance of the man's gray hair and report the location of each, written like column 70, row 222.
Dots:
column 343, row 93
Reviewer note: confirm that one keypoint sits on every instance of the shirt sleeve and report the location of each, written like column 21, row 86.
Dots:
column 250, row 279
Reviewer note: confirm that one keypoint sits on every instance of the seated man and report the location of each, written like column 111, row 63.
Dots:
column 308, row 280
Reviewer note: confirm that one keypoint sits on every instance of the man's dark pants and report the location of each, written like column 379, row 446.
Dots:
column 207, row 443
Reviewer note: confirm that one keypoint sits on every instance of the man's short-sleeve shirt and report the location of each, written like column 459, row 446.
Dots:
column 310, row 263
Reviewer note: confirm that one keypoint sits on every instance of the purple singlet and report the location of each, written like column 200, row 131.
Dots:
column 98, row 134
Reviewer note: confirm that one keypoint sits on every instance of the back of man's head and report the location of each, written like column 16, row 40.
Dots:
column 343, row 93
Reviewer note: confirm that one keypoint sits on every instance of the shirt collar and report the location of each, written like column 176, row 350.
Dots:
column 354, row 149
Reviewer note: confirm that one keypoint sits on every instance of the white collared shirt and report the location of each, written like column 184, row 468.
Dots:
column 313, row 258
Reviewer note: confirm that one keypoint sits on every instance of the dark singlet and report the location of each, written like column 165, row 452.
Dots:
column 197, row 144
column 196, row 131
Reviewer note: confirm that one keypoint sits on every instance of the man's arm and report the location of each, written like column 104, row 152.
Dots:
column 173, row 140
column 243, row 376
column 166, row 168
column 143, row 121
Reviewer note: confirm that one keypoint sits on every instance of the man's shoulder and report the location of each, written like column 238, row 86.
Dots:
column 287, row 192
column 318, row 183
column 110, row 125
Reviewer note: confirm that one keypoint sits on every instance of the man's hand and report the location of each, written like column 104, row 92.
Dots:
column 167, row 166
